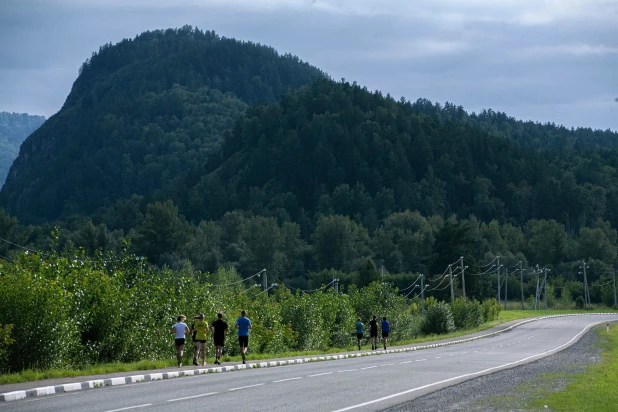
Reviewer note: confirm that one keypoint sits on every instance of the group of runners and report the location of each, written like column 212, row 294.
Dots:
column 199, row 331
column 373, row 332
column 200, row 328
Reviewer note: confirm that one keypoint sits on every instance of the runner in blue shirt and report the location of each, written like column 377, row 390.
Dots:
column 243, row 324
column 359, row 332
column 386, row 327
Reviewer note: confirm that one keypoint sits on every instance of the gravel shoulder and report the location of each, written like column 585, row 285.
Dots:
column 513, row 389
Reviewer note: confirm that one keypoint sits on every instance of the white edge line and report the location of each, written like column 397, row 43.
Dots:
column 130, row 407
column 191, row 397
column 245, row 387
column 360, row 405
column 319, row 374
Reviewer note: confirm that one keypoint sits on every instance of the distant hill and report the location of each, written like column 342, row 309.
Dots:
column 14, row 129
column 142, row 118
column 338, row 148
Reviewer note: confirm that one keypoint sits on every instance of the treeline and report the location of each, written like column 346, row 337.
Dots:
column 529, row 134
column 335, row 246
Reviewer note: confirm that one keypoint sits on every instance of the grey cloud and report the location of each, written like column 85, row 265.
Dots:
column 555, row 65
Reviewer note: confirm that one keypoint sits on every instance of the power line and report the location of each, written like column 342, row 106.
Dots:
column 240, row 281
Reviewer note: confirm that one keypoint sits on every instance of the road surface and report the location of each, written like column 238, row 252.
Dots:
column 356, row 384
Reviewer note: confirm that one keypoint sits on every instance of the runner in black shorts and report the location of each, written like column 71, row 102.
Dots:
column 220, row 328
column 179, row 329
column 243, row 324
column 373, row 325
column 386, row 327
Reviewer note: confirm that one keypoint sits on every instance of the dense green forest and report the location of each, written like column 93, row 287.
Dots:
column 14, row 129
column 142, row 118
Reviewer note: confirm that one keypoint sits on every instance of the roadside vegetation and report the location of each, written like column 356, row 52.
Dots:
column 591, row 391
column 77, row 315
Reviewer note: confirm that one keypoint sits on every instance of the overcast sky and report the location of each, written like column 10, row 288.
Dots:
column 545, row 60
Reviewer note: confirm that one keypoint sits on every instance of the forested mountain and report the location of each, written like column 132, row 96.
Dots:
column 14, row 128
column 142, row 118
column 337, row 148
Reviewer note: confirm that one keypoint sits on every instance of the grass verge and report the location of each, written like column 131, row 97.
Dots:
column 106, row 368
column 591, row 391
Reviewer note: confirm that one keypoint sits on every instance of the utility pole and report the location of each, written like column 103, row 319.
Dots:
column 545, row 282
column 265, row 282
column 450, row 273
column 498, row 272
column 614, row 282
column 463, row 278
column 422, row 296
column 506, row 285
column 140, row 259
column 521, row 284
column 536, row 294
column 586, row 293
column 337, row 285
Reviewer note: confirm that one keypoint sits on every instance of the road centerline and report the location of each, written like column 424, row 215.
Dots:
column 245, row 387
column 130, row 407
column 192, row 397
column 288, row 379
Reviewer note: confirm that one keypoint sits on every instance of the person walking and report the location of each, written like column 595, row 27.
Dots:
column 243, row 324
column 386, row 327
column 180, row 329
column 200, row 329
column 219, row 328
column 359, row 332
column 373, row 330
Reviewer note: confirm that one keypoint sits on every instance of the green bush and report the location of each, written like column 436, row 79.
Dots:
column 467, row 314
column 438, row 319
column 491, row 310
column 579, row 302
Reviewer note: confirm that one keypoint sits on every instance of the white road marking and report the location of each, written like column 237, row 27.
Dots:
column 360, row 405
column 437, row 357
column 192, row 397
column 288, row 379
column 389, row 364
column 347, row 370
column 369, row 367
column 401, row 363
column 319, row 374
column 130, row 407
column 420, row 360
column 245, row 387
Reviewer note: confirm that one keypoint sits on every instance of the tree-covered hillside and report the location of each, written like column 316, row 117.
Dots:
column 142, row 118
column 14, row 128
column 337, row 148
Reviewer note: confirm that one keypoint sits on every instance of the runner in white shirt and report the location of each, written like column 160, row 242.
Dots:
column 180, row 329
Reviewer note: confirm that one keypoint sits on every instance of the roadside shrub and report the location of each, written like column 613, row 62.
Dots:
column 438, row 319
column 467, row 314
column 491, row 310
column 579, row 302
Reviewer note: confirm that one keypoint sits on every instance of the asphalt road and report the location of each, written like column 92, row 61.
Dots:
column 359, row 384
